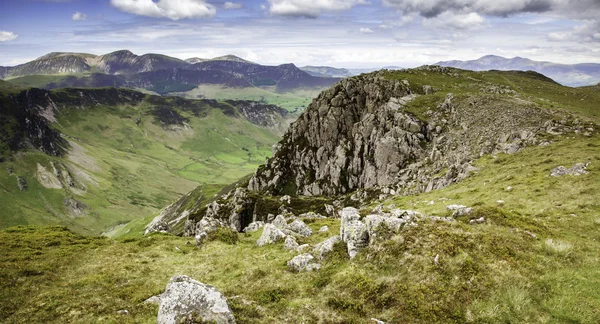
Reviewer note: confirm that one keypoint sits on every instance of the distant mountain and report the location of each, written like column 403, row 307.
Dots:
column 232, row 58
column 570, row 75
column 158, row 73
column 326, row 71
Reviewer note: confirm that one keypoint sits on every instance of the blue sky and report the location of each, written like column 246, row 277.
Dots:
column 342, row 33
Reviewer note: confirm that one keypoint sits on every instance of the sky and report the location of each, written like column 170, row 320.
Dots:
column 339, row 33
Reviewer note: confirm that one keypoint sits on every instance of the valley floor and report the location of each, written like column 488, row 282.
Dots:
column 535, row 260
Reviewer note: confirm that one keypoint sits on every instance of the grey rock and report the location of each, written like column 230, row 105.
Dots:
column 300, row 228
column 324, row 229
column 322, row 249
column 22, row 183
column 186, row 299
column 286, row 199
column 280, row 222
column 123, row 312
column 153, row 300
column 302, row 247
column 480, row 220
column 270, row 235
column 353, row 231
column 254, row 226
column 303, row 262
column 455, row 207
column 465, row 211
column 576, row 170
column 311, row 215
column 290, row 243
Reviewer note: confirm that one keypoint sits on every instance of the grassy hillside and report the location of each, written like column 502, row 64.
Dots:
column 534, row 260
column 292, row 101
column 529, row 86
column 130, row 160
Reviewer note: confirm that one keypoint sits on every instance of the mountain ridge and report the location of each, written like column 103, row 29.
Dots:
column 582, row 74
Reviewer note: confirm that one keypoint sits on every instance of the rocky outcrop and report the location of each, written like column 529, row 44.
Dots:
column 188, row 301
column 576, row 170
column 360, row 135
column 353, row 231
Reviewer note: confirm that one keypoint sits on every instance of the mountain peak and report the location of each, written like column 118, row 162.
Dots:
column 232, row 58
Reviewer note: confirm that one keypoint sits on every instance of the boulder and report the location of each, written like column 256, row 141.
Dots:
column 466, row 211
column 322, row 249
column 186, row 300
column 280, row 222
column 290, row 243
column 300, row 228
column 271, row 234
column 253, row 227
column 352, row 231
column 324, row 229
column 303, row 262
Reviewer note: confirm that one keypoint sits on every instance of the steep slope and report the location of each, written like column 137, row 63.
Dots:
column 125, row 62
column 571, row 75
column 114, row 155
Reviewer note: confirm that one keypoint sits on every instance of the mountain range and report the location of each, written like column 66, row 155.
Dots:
column 574, row 75
column 160, row 74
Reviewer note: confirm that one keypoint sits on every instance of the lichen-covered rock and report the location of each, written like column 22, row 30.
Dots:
column 290, row 243
column 270, row 235
column 322, row 249
column 253, row 227
column 300, row 228
column 303, row 262
column 324, row 229
column 465, row 211
column 377, row 223
column 311, row 215
column 280, row 222
column 21, row 183
column 353, row 231
column 187, row 300
column 576, row 170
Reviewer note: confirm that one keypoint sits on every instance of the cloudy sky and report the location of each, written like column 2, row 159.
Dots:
column 341, row 33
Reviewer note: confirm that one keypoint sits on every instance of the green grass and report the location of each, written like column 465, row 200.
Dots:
column 496, row 272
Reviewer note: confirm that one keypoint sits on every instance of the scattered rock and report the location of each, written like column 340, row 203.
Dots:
column 186, row 300
column 330, row 210
column 465, row 211
column 271, row 234
column 254, row 226
column 22, row 183
column 509, row 188
column 480, row 220
column 290, row 243
column 303, row 262
column 311, row 215
column 377, row 321
column 324, row 229
column 302, row 247
column 123, row 312
column 576, row 170
column 500, row 202
column 322, row 249
column 436, row 260
column 454, row 207
column 286, row 199
column 300, row 228
column 200, row 238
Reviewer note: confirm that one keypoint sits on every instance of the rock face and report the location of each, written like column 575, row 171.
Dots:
column 187, row 300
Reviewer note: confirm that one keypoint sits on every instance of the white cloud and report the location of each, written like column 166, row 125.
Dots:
column 449, row 19
column 79, row 16
column 366, row 30
column 6, row 36
column 310, row 8
column 589, row 32
column 232, row 5
column 172, row 9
